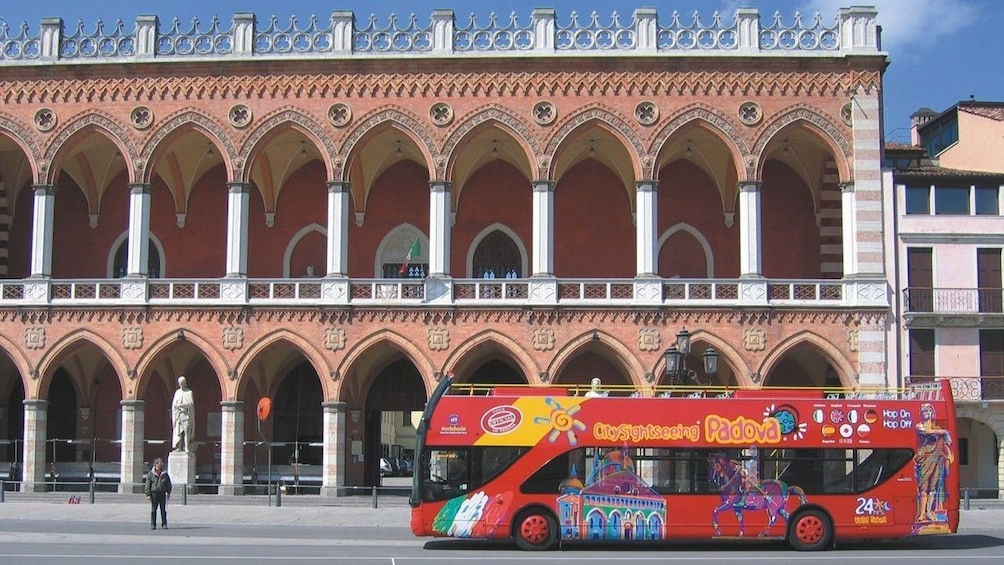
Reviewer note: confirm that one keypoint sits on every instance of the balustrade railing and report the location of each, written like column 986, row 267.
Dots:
column 968, row 388
column 953, row 300
column 415, row 291
column 854, row 30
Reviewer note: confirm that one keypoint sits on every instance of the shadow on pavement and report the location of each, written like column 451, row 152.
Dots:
column 947, row 542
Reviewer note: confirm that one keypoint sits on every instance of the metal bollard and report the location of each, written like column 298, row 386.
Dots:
column 374, row 497
column 278, row 496
column 184, row 495
column 90, row 490
column 965, row 498
column 3, row 489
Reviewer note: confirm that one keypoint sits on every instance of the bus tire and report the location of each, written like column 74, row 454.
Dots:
column 810, row 530
column 536, row 529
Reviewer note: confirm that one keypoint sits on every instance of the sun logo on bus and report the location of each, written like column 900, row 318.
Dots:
column 562, row 421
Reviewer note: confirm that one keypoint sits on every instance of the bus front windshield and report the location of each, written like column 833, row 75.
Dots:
column 453, row 471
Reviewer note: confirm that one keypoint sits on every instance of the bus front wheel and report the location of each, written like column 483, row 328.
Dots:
column 811, row 530
column 536, row 530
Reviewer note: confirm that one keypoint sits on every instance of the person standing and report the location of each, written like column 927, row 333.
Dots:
column 158, row 490
column 183, row 412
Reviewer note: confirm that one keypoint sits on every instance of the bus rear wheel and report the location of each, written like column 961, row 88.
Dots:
column 811, row 530
column 536, row 530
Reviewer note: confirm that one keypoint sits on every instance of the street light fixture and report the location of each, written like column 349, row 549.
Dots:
column 676, row 361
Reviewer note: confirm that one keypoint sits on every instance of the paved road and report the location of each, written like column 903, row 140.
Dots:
column 225, row 530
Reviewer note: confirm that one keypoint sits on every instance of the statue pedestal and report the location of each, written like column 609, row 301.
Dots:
column 181, row 469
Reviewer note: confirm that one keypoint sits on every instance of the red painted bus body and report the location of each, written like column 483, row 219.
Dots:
column 542, row 466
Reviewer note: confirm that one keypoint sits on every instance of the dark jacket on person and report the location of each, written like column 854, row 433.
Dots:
column 157, row 483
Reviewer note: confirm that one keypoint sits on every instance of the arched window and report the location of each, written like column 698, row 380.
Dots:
column 497, row 256
column 121, row 264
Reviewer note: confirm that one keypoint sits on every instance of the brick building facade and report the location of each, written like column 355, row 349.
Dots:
column 579, row 193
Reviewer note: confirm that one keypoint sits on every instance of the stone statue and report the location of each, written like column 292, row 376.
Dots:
column 594, row 388
column 183, row 416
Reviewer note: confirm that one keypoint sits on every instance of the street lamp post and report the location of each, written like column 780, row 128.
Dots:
column 676, row 361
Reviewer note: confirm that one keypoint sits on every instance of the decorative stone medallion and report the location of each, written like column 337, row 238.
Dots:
column 233, row 338
column 240, row 116
column 439, row 338
column 339, row 114
column 754, row 339
column 543, row 339
column 45, row 119
column 141, row 117
column 647, row 113
column 544, row 113
column 847, row 114
column 750, row 113
column 441, row 114
column 132, row 338
column 334, row 339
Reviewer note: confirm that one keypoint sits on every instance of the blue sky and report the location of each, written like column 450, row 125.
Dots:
column 941, row 51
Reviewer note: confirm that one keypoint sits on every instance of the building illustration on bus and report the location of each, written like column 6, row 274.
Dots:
column 550, row 465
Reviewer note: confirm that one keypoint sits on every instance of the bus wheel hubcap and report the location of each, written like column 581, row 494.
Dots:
column 810, row 529
column 535, row 529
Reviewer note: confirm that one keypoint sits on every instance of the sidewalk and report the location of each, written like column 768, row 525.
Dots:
column 210, row 509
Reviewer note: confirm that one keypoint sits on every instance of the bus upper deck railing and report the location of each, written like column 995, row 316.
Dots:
column 921, row 391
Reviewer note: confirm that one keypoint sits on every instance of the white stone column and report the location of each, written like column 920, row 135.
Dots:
column 41, row 231
column 338, row 229
column 543, row 229
column 646, row 219
column 139, row 230
column 33, row 466
column 848, row 229
column 333, row 458
column 232, row 448
column 749, row 235
column 1000, row 466
column 131, row 467
column 237, row 229
column 439, row 228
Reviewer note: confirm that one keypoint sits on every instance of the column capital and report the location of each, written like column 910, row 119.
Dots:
column 238, row 187
column 749, row 185
column 232, row 405
column 35, row 403
column 139, row 188
column 133, row 405
column 339, row 186
column 543, row 185
column 440, row 186
column 646, row 186
column 334, row 407
column 44, row 189
column 846, row 186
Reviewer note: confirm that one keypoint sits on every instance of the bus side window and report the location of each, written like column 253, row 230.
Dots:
column 548, row 478
column 495, row 459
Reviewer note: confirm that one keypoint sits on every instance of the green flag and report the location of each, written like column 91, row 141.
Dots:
column 413, row 253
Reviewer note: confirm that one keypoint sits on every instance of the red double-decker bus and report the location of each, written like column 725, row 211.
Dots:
column 548, row 465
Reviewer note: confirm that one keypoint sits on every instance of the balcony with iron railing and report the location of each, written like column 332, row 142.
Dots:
column 727, row 293
column 979, row 306
column 967, row 388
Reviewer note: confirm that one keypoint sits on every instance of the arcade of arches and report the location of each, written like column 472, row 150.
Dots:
column 328, row 430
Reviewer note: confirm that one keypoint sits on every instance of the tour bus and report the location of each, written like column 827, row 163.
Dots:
column 551, row 465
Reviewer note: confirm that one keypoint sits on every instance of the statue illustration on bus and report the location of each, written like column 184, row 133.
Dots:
column 931, row 466
column 742, row 491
